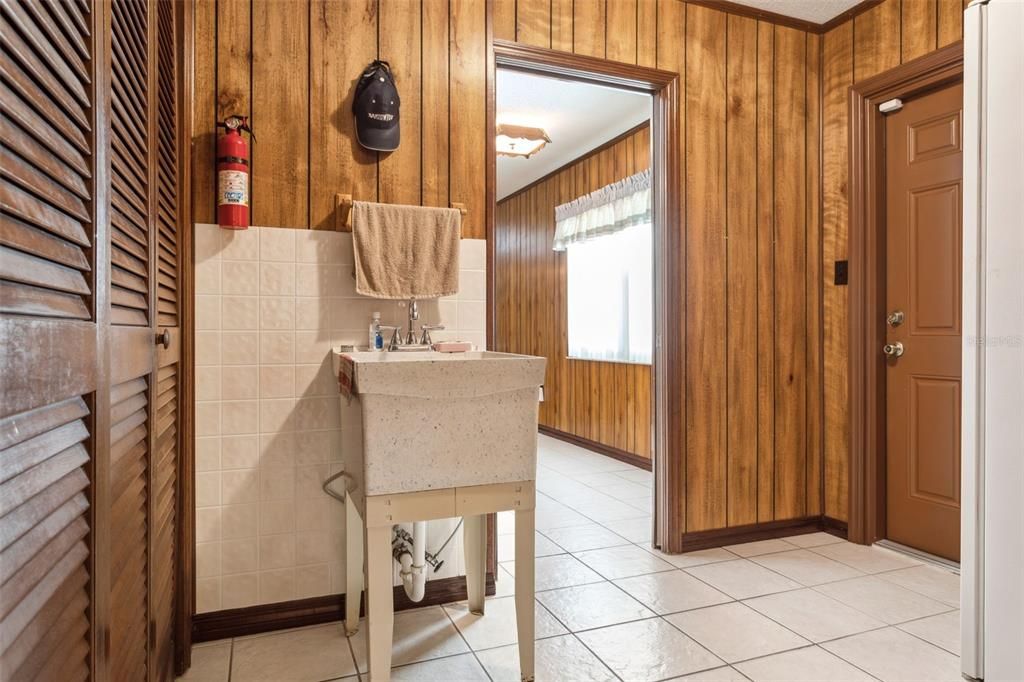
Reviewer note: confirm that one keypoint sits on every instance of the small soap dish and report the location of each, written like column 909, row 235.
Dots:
column 453, row 346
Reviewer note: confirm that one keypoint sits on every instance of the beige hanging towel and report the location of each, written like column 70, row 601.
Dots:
column 405, row 251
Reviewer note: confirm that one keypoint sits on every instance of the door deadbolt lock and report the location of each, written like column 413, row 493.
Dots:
column 895, row 318
column 893, row 350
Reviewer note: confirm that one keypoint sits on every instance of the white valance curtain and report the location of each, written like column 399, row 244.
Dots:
column 606, row 211
column 607, row 238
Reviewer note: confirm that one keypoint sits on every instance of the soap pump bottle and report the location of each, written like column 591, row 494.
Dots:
column 376, row 340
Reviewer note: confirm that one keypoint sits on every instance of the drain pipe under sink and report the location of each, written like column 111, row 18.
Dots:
column 414, row 564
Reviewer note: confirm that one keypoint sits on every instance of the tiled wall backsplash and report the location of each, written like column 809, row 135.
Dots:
column 270, row 304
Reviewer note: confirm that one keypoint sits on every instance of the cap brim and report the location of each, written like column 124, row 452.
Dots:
column 378, row 139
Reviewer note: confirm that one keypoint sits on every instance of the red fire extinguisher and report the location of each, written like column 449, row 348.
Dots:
column 233, row 174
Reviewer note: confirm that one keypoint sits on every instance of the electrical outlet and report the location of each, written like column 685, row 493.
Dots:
column 842, row 277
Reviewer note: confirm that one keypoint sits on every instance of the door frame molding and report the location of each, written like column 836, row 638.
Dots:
column 668, row 375
column 867, row 275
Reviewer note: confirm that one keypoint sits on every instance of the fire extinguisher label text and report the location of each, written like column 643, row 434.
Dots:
column 233, row 188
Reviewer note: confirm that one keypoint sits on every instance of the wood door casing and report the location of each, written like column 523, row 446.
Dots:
column 924, row 166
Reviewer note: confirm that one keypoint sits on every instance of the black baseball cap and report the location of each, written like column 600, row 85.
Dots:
column 375, row 107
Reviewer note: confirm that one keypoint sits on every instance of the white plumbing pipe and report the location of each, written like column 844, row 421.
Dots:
column 413, row 572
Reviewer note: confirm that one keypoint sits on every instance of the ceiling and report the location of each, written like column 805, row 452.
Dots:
column 577, row 116
column 815, row 11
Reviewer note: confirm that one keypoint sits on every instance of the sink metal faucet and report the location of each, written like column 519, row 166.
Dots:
column 414, row 314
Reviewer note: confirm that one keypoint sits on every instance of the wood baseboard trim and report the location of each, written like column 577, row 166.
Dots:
column 600, row 448
column 835, row 527
column 253, row 620
column 718, row 537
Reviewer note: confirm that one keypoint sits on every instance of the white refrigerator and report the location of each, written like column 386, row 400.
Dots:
column 992, row 553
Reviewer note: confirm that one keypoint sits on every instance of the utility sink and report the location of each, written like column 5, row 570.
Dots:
column 440, row 420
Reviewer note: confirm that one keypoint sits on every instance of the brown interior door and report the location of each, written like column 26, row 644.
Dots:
column 89, row 403
column 923, row 264
column 50, row 297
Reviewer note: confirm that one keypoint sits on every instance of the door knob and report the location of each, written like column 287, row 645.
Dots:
column 893, row 350
column 895, row 318
column 164, row 339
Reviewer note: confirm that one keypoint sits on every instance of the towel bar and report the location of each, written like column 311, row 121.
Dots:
column 343, row 212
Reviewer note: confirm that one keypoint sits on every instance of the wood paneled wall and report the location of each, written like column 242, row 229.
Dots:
column 764, row 152
column 750, row 191
column 886, row 36
column 604, row 402
column 291, row 67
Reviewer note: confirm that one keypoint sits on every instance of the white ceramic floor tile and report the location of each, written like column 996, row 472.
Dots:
column 749, row 549
column 648, row 650
column 506, row 523
column 892, row 655
column 582, row 538
column 931, row 581
column 602, row 508
column 813, row 539
column 809, row 664
column 623, row 562
column 541, row 547
column 561, row 570
column 742, row 579
column 558, row 515
column 419, row 635
column 497, row 627
column 559, row 659
column 942, row 630
column 696, row 558
column 303, row 655
column 637, row 475
column 634, row 530
column 723, row 674
column 602, row 479
column 867, row 559
column 464, row 668
column 624, row 490
column 211, row 662
column 813, row 615
column 883, row 600
column 807, row 568
column 504, row 583
column 671, row 591
column 593, row 606
column 735, row 632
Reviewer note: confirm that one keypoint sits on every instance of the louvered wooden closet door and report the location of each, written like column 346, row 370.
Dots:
column 90, row 262
column 144, row 271
column 49, row 367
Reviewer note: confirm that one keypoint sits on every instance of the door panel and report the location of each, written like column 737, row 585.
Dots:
column 89, row 268
column 48, row 340
column 923, row 262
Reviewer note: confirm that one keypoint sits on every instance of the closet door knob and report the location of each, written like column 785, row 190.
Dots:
column 164, row 339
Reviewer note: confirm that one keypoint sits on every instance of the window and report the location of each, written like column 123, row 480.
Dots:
column 607, row 237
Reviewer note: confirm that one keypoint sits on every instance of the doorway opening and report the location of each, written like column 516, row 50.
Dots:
column 906, row 327
column 580, row 262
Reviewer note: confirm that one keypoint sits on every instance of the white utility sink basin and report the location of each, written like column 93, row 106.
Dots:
column 434, row 420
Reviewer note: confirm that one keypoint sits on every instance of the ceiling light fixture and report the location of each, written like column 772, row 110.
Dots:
column 513, row 140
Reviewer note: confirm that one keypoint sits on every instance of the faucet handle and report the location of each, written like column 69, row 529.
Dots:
column 396, row 335
column 427, row 328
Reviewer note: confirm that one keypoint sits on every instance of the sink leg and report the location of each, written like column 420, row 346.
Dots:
column 380, row 615
column 353, row 566
column 525, row 590
column 475, row 549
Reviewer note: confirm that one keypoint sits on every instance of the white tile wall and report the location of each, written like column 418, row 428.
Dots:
column 270, row 304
